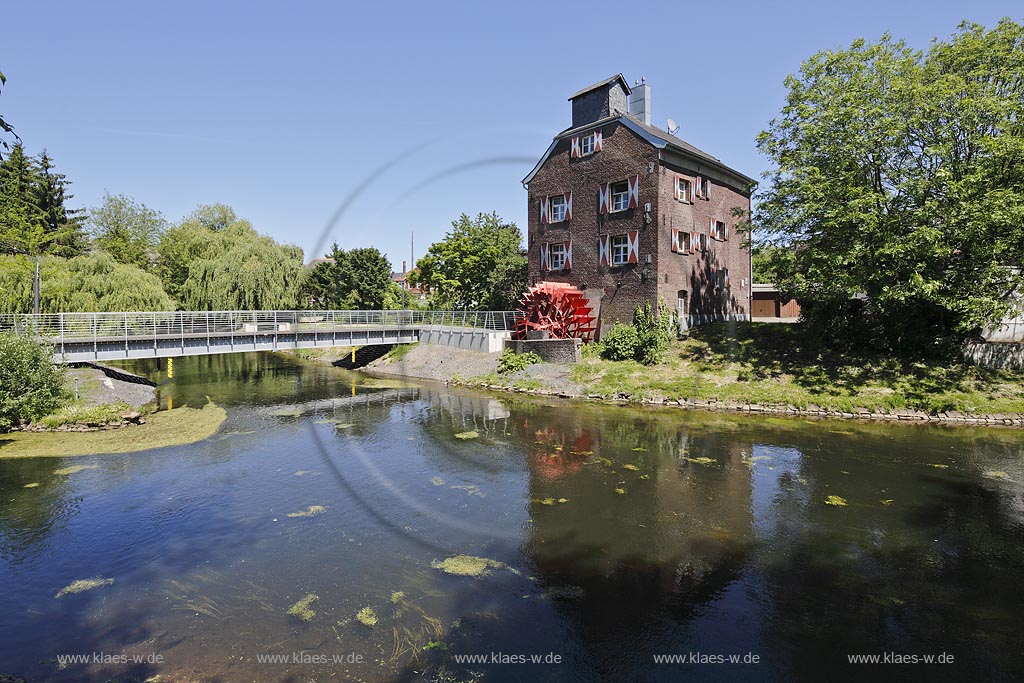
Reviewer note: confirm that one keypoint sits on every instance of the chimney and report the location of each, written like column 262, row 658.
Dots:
column 403, row 267
column 640, row 101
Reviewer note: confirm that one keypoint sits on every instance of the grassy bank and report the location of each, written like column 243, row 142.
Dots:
column 776, row 365
column 165, row 428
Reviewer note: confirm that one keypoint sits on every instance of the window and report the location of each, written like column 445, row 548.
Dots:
column 557, row 257
column 557, row 208
column 684, row 190
column 683, row 242
column 620, row 196
column 718, row 230
column 620, row 249
column 587, row 144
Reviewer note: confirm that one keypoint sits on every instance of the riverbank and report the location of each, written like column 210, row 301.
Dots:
column 747, row 367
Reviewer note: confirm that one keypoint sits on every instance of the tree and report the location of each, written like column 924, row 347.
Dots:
column 898, row 181
column 359, row 279
column 34, row 218
column 213, row 260
column 91, row 282
column 478, row 265
column 31, row 384
column 127, row 230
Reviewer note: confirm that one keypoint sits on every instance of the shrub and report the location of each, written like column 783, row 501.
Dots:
column 620, row 343
column 31, row 384
column 510, row 361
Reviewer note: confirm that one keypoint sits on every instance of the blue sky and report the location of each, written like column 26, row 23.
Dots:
column 282, row 110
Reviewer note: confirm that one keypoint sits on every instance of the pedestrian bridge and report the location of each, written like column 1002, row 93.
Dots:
column 78, row 337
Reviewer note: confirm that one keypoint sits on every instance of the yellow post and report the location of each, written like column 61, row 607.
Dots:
column 170, row 368
column 353, row 354
column 170, row 403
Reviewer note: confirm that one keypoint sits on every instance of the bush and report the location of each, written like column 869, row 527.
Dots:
column 645, row 341
column 31, row 384
column 620, row 343
column 510, row 361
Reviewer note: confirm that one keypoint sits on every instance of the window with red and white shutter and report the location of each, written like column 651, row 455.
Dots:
column 545, row 210
column 634, row 246
column 544, row 255
column 604, row 198
column 575, row 147
column 604, row 250
column 634, row 191
column 598, row 142
column 675, row 240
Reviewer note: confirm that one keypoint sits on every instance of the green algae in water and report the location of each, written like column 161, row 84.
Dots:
column 75, row 469
column 887, row 501
column 702, row 460
column 344, row 425
column 31, row 486
column 563, row 500
column 639, row 449
column 397, row 597
column 996, row 474
column 437, row 481
column 311, row 511
column 468, row 435
column 302, row 608
column 471, row 490
column 467, row 565
column 83, row 585
column 836, row 500
column 367, row 617
column 621, row 492
column 938, row 466
column 436, row 645
column 634, row 468
column 544, row 501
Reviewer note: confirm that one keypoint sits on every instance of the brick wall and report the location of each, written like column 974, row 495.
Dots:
column 623, row 288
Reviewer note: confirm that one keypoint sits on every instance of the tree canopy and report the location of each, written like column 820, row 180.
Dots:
column 34, row 216
column 214, row 260
column 92, row 282
column 359, row 279
column 5, row 127
column 478, row 265
column 898, row 184
column 127, row 230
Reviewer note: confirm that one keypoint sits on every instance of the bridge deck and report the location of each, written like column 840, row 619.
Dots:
column 79, row 337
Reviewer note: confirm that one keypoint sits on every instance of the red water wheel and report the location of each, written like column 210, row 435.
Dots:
column 557, row 308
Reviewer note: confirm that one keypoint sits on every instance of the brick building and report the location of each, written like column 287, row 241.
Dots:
column 632, row 214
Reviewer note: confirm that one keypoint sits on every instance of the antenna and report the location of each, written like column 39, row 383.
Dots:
column 672, row 127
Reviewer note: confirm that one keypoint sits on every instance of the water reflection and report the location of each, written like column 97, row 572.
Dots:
column 610, row 535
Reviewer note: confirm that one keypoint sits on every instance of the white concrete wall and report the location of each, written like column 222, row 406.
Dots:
column 487, row 341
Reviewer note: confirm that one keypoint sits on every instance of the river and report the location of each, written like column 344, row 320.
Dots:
column 611, row 539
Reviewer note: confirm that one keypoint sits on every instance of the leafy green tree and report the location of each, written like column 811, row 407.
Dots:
column 127, row 230
column 898, row 180
column 91, row 282
column 359, row 279
column 479, row 264
column 214, row 260
column 767, row 261
column 31, row 384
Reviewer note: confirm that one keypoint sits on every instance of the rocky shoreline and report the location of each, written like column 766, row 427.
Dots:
column 459, row 367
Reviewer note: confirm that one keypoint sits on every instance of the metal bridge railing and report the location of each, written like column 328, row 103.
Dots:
column 71, row 327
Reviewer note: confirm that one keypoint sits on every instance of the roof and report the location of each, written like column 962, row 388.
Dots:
column 655, row 136
column 595, row 86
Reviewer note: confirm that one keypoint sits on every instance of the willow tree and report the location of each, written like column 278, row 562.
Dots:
column 898, row 187
column 215, row 261
column 92, row 282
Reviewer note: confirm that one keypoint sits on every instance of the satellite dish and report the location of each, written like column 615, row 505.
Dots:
column 672, row 127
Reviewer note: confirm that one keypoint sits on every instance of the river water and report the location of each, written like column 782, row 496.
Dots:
column 613, row 537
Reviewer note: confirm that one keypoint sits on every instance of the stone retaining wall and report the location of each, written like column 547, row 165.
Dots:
column 549, row 350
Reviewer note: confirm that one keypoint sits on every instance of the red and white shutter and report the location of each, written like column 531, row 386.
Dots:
column 725, row 236
column 634, row 191
column 568, row 206
column 544, row 256
column 597, row 140
column 575, row 151
column 675, row 240
column 707, row 189
column 633, row 240
column 604, row 198
column 545, row 209
column 713, row 229
column 693, row 243
column 602, row 249
column 675, row 188
column 568, row 255
column 699, row 183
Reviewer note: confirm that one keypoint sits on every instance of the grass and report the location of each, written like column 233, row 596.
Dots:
column 398, row 352
column 83, row 413
column 165, row 428
column 329, row 352
column 775, row 365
